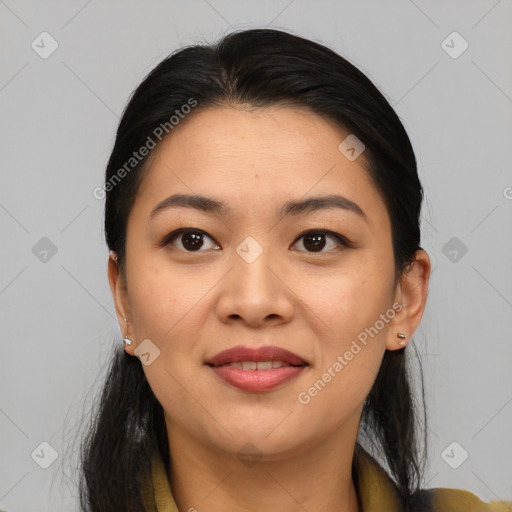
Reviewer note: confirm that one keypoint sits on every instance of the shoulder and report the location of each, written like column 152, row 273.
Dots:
column 459, row 500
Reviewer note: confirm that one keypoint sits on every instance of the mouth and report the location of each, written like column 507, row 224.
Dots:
column 258, row 365
column 257, row 370
column 263, row 358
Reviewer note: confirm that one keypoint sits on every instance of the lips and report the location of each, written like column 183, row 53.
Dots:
column 245, row 354
column 257, row 370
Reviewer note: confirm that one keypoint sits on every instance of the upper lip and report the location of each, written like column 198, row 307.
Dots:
column 266, row 353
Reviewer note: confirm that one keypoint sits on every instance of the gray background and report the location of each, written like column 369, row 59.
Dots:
column 58, row 120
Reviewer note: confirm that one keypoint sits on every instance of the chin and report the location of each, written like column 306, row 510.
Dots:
column 263, row 444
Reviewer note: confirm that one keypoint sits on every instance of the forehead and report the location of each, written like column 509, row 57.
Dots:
column 256, row 159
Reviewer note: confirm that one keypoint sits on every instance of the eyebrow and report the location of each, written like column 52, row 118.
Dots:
column 311, row 204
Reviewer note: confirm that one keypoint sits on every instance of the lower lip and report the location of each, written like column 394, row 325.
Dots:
column 257, row 380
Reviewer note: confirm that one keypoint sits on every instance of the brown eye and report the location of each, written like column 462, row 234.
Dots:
column 315, row 241
column 193, row 240
column 190, row 240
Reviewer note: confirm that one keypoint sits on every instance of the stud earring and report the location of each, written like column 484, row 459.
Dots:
column 127, row 341
column 402, row 338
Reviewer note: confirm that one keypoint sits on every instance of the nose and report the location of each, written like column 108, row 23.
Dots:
column 256, row 293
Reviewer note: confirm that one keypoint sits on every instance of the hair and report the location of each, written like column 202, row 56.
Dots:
column 253, row 68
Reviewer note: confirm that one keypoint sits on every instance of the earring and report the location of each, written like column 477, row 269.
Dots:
column 402, row 338
column 126, row 340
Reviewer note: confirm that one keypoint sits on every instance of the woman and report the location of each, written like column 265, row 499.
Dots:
column 262, row 213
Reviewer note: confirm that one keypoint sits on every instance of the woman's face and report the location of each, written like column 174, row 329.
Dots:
column 247, row 276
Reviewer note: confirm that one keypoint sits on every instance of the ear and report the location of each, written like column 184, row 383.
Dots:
column 120, row 296
column 411, row 294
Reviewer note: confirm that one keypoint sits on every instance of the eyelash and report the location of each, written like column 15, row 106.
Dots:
column 343, row 241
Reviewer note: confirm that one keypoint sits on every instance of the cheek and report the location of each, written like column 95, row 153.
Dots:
column 163, row 305
column 350, row 304
column 160, row 298
column 170, row 309
column 351, row 300
column 350, row 359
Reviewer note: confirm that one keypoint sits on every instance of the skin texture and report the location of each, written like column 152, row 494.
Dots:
column 194, row 304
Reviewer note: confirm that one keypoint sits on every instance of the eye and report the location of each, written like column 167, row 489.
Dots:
column 314, row 240
column 191, row 240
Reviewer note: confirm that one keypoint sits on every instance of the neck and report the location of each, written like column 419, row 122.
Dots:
column 317, row 479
